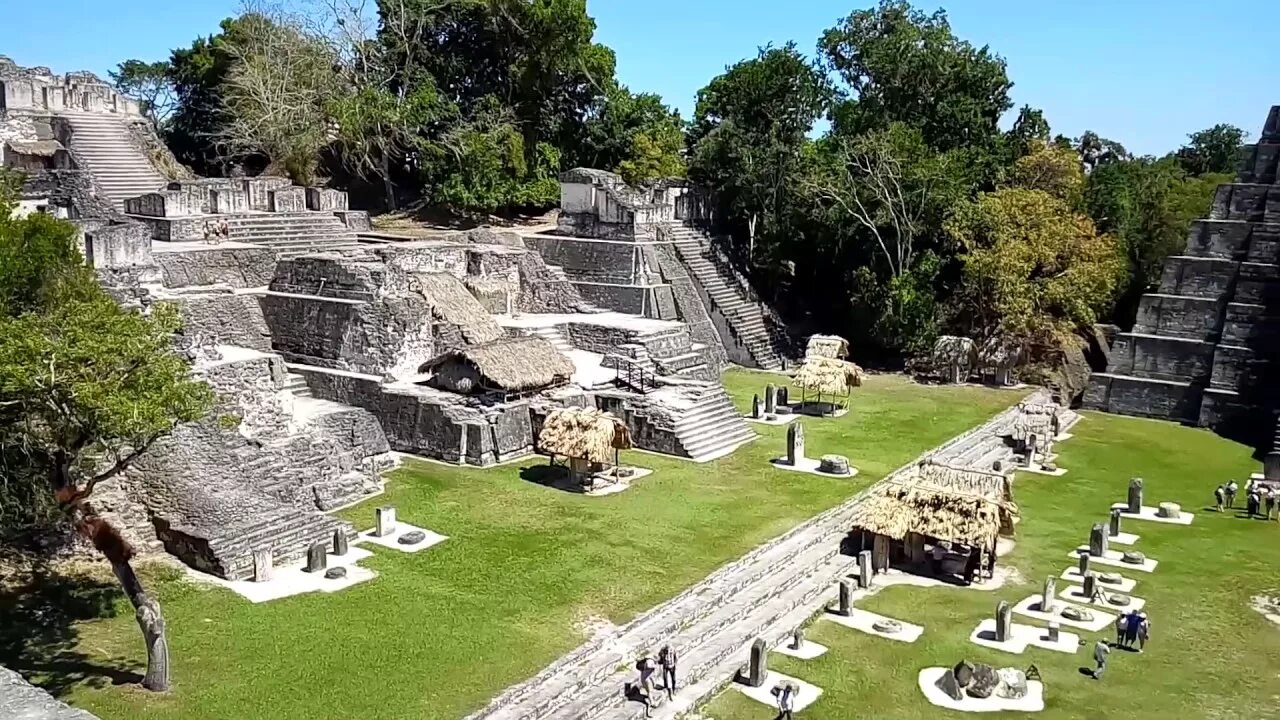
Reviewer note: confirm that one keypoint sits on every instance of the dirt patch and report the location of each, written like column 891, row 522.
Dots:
column 1268, row 606
column 593, row 626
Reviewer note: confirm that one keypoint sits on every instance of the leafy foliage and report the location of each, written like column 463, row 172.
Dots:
column 150, row 84
column 1033, row 268
column 634, row 134
column 1213, row 150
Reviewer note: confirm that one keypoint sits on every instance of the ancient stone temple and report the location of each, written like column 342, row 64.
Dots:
column 1203, row 350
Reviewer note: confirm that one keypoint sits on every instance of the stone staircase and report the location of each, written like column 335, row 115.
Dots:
column 296, row 384
column 120, row 169
column 712, row 427
column 293, row 234
column 289, row 533
column 555, row 337
column 766, row 594
column 729, row 295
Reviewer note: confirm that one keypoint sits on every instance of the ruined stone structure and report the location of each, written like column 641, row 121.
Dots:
column 638, row 251
column 1203, row 350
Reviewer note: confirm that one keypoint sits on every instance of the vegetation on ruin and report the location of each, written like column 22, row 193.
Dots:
column 1209, row 649
column 86, row 386
column 474, row 106
column 526, row 571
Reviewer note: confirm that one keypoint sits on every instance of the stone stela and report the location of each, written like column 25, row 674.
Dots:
column 795, row 443
column 1135, row 496
column 386, row 522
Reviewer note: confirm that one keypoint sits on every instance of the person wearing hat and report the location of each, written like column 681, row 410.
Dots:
column 1100, row 653
column 1220, row 497
column 1144, row 630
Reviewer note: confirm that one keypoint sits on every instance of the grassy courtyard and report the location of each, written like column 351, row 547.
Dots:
column 527, row 568
column 1211, row 656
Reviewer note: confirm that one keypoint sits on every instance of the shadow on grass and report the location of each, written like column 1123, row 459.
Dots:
column 38, row 634
column 556, row 477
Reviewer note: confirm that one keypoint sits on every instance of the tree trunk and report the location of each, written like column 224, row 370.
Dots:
column 150, row 621
column 387, row 185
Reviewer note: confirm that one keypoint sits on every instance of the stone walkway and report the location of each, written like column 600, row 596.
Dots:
column 768, row 593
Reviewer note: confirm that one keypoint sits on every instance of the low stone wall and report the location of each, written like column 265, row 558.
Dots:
column 240, row 267
column 223, row 318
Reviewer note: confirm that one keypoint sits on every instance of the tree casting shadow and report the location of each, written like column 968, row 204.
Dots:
column 38, row 633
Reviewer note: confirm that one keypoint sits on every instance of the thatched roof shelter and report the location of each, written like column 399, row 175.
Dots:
column 1034, row 419
column 593, row 435
column 512, row 365
column 896, row 509
column 827, row 376
column 942, row 502
column 828, row 346
column 453, row 304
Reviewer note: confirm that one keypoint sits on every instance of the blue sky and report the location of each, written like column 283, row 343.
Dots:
column 1143, row 72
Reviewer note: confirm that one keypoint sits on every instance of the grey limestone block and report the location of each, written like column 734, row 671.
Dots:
column 386, row 521
column 317, row 557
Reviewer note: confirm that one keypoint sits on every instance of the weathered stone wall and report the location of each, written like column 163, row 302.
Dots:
column 224, row 318
column 690, row 307
column 392, row 336
column 238, row 267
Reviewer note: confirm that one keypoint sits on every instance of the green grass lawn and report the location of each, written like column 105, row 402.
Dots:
column 440, row 632
column 1211, row 656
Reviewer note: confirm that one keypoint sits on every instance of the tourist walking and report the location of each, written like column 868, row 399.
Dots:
column 1122, row 623
column 646, row 668
column 1254, row 504
column 786, row 703
column 1100, row 653
column 1232, row 487
column 1270, row 499
column 667, row 661
column 1219, row 497
column 1144, row 631
column 1131, row 629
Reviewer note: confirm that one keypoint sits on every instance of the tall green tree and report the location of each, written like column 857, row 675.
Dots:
column 898, row 64
column 749, row 136
column 150, row 84
column 634, row 134
column 85, row 388
column 1213, row 150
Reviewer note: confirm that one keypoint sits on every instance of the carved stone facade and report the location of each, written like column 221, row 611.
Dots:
column 1203, row 350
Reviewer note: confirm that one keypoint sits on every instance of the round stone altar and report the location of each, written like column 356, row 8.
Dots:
column 834, row 465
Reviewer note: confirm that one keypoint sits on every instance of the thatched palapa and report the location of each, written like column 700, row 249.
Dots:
column 592, row 435
column 828, row 346
column 828, row 376
column 898, row 509
column 453, row 304
column 511, row 365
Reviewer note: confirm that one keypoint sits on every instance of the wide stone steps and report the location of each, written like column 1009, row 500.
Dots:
column 708, row 624
column 555, row 337
column 120, row 169
column 288, row 533
column 712, row 426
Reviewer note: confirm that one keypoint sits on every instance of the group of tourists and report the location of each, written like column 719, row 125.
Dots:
column 1261, row 500
column 216, row 231
column 1131, row 627
column 647, row 668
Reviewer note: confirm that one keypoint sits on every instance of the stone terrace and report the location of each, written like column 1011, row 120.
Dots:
column 768, row 593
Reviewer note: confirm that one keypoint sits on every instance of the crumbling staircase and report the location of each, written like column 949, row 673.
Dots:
column 121, row 170
column 293, row 234
column 729, row 296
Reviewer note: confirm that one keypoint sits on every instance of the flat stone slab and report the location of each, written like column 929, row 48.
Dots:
column 1149, row 513
column 1075, row 594
column 1123, row 538
column 1023, row 636
column 764, row 694
column 1039, row 471
column 1125, row 585
column 808, row 651
column 290, row 580
column 1033, row 701
column 777, row 419
column 1030, row 607
column 393, row 540
column 809, row 465
column 863, row 620
column 1114, row 558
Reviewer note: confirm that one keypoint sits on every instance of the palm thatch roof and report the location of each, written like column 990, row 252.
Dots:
column 828, row 375
column 943, row 502
column 511, row 364
column 452, row 303
column 583, row 433
column 828, row 346
column 1033, row 419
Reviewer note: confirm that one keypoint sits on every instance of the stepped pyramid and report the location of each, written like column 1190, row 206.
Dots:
column 1203, row 349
